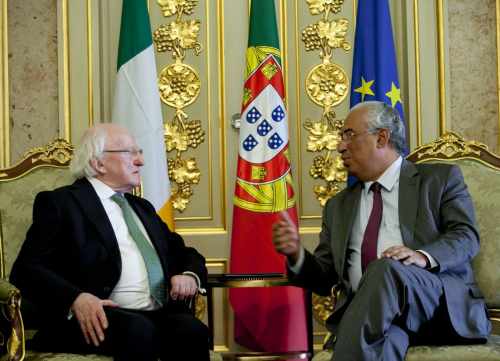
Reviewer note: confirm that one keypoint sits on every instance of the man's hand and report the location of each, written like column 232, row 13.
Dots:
column 286, row 237
column 89, row 311
column 183, row 287
column 406, row 255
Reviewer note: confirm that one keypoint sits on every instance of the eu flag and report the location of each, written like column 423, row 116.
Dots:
column 374, row 70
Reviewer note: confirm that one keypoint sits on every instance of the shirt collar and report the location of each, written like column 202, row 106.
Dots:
column 389, row 177
column 102, row 189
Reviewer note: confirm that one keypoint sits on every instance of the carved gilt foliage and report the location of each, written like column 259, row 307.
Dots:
column 180, row 85
column 327, row 85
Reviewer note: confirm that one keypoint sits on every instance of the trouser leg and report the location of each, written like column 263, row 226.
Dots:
column 184, row 337
column 390, row 294
column 396, row 343
column 131, row 336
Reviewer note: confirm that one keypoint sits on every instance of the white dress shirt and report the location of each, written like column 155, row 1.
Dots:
column 389, row 233
column 132, row 290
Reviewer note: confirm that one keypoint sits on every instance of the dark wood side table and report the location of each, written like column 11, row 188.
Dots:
column 228, row 280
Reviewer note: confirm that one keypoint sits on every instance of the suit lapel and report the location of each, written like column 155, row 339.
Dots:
column 94, row 211
column 351, row 205
column 409, row 192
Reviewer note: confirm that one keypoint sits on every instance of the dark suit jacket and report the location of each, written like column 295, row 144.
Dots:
column 71, row 248
column 436, row 215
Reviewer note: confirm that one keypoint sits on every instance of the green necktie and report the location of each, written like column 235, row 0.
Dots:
column 151, row 259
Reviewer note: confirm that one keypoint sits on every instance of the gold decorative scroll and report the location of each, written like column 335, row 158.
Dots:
column 327, row 85
column 450, row 145
column 179, row 85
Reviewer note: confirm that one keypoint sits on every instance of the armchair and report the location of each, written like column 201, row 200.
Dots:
column 41, row 169
column 481, row 170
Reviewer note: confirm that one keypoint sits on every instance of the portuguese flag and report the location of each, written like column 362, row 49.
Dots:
column 272, row 318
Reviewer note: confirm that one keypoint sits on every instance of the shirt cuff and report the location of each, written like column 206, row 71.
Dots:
column 298, row 265
column 432, row 262
column 198, row 282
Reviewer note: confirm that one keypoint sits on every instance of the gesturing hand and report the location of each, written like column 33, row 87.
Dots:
column 89, row 311
column 183, row 287
column 407, row 255
column 286, row 237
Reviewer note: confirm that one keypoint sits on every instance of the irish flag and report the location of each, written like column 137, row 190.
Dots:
column 273, row 318
column 137, row 103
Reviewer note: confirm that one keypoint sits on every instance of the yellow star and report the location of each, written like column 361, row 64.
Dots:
column 394, row 94
column 365, row 88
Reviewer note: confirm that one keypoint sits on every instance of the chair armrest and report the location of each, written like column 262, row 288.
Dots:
column 12, row 322
column 7, row 291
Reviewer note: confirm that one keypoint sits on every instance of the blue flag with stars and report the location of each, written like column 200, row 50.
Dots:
column 374, row 69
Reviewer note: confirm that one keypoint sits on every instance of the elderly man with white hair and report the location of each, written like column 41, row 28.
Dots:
column 103, row 271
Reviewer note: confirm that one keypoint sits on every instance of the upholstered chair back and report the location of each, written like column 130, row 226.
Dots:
column 481, row 170
column 41, row 169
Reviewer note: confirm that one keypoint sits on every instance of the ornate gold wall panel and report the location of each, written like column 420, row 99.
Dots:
column 304, row 109
column 327, row 85
column 180, row 86
column 208, row 213
column 473, row 92
column 33, row 66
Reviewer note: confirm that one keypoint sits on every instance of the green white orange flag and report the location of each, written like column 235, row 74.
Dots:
column 272, row 318
column 137, row 103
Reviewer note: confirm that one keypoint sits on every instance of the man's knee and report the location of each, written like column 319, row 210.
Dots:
column 188, row 336
column 128, row 329
column 383, row 269
column 191, row 327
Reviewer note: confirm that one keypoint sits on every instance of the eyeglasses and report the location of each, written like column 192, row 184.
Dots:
column 348, row 135
column 132, row 152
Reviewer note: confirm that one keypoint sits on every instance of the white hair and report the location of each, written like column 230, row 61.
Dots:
column 91, row 147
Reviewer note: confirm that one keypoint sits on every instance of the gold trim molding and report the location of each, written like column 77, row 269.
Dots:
column 441, row 66
column 220, row 265
column 4, row 108
column 65, row 72
column 497, row 4
column 418, row 95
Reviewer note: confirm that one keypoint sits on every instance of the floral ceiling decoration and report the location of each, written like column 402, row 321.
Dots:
column 327, row 85
column 180, row 85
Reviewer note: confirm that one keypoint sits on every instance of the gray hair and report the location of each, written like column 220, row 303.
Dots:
column 379, row 115
column 91, row 147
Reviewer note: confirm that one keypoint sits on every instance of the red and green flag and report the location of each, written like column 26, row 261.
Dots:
column 272, row 318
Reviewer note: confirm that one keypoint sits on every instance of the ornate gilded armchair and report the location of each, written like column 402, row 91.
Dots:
column 481, row 170
column 41, row 169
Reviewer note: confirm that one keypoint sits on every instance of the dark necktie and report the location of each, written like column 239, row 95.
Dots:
column 370, row 238
column 152, row 261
